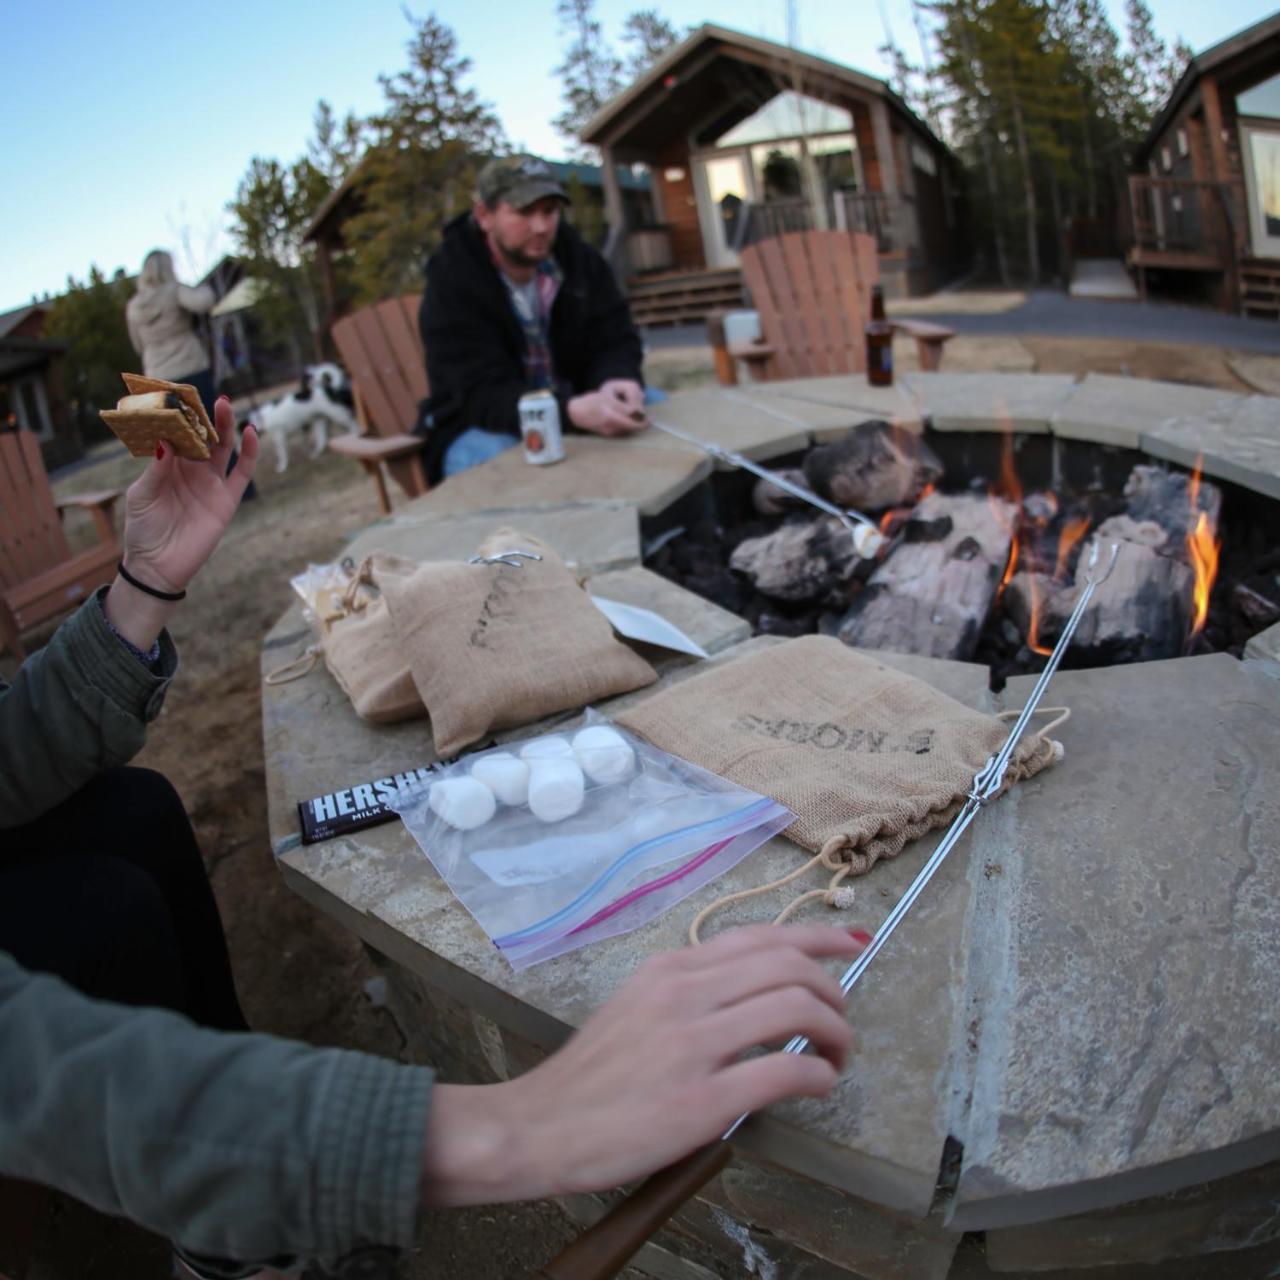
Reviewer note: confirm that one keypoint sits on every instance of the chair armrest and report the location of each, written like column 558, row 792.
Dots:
column 929, row 340
column 925, row 329
column 377, row 448
column 100, row 504
column 750, row 351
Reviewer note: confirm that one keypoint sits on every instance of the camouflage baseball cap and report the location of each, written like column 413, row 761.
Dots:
column 519, row 180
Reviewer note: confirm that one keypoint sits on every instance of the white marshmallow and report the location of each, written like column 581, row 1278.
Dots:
column 556, row 789
column 604, row 754
column 504, row 775
column 548, row 748
column 464, row 803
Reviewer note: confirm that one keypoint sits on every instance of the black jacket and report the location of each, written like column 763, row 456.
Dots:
column 475, row 346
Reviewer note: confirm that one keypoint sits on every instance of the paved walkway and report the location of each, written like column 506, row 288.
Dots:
column 1050, row 313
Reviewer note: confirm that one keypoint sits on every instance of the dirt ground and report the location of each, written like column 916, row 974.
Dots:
column 300, row 974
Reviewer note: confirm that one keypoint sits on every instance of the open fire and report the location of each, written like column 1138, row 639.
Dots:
column 982, row 570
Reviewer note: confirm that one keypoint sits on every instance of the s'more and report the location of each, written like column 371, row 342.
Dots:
column 155, row 411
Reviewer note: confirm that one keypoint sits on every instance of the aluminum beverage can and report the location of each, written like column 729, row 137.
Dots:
column 540, row 428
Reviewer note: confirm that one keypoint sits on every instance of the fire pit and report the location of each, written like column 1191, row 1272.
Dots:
column 1067, row 1062
column 984, row 531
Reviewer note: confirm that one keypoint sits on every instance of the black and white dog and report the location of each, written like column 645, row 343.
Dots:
column 322, row 401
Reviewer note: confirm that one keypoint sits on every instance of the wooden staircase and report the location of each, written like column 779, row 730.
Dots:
column 1260, row 288
column 683, row 297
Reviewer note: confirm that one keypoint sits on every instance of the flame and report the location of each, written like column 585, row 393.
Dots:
column 1010, row 487
column 1033, row 627
column 895, row 515
column 1072, row 532
column 1203, row 548
column 1203, row 551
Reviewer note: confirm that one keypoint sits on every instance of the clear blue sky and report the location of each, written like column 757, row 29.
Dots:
column 130, row 123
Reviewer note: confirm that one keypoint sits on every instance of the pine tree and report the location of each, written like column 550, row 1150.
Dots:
column 90, row 316
column 429, row 139
column 648, row 36
column 591, row 72
column 1152, row 69
column 335, row 145
column 271, row 211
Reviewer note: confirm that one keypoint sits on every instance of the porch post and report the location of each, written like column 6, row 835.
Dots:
column 612, row 193
column 1222, row 176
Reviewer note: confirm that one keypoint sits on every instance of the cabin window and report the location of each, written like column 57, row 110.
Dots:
column 1263, row 100
column 1166, row 159
column 1183, row 148
column 789, row 115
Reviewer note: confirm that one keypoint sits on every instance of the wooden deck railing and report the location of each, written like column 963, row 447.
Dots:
column 891, row 219
column 1181, row 220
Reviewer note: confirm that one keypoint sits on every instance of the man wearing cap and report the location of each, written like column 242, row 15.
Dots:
column 516, row 301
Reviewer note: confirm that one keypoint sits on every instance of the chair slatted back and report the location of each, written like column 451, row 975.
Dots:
column 31, row 536
column 382, row 351
column 812, row 290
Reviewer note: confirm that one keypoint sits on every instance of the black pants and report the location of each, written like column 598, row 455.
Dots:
column 108, row 891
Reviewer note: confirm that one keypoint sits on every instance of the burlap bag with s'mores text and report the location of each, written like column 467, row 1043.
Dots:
column 496, row 646
column 867, row 758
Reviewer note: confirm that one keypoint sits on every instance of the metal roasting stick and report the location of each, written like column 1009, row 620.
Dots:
column 866, row 535
column 605, row 1248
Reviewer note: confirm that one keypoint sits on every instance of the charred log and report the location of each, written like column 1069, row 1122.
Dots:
column 804, row 560
column 874, row 467
column 933, row 593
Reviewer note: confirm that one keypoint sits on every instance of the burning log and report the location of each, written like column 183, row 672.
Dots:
column 873, row 467
column 934, row 591
column 804, row 560
column 1140, row 613
column 772, row 500
column 1157, row 595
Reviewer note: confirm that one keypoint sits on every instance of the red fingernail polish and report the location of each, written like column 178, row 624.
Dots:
column 159, row 451
column 860, row 935
column 224, row 400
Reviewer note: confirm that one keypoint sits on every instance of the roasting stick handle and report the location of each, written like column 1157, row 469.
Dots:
column 604, row 1249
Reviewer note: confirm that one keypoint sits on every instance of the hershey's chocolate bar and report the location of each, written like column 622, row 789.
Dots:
column 364, row 805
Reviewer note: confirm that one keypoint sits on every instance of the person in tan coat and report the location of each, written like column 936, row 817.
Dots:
column 159, row 317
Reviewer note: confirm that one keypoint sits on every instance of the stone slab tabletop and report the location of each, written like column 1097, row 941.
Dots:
column 597, row 535
column 1239, row 442
column 1021, row 402
column 1126, row 1041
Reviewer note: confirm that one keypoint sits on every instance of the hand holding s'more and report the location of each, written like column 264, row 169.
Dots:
column 156, row 411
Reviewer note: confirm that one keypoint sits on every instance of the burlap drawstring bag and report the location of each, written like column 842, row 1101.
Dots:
column 867, row 758
column 363, row 651
column 495, row 646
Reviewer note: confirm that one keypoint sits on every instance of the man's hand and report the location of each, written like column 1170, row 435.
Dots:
column 616, row 409
column 653, row 1074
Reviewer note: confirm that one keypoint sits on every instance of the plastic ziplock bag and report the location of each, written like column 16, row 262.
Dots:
column 649, row 830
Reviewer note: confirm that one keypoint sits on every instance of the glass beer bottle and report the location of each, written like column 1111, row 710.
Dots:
column 879, row 342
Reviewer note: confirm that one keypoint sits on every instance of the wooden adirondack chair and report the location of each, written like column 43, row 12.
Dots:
column 39, row 576
column 382, row 352
column 812, row 291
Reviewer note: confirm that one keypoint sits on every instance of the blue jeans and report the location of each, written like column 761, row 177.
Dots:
column 476, row 445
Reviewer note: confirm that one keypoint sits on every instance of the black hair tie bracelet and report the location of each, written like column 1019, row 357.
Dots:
column 151, row 591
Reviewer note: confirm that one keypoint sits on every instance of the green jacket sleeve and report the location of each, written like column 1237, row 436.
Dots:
column 232, row 1145
column 78, row 706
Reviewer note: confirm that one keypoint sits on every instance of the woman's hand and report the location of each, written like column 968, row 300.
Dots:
column 653, row 1074
column 176, row 512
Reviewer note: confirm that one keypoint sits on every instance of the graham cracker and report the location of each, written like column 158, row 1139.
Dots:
column 141, row 432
